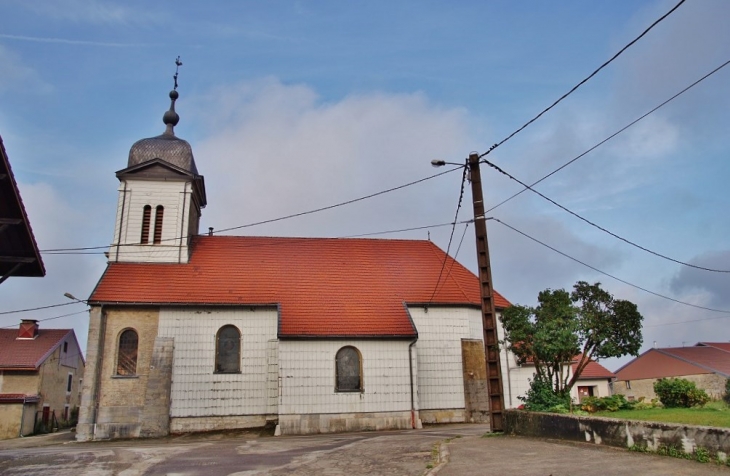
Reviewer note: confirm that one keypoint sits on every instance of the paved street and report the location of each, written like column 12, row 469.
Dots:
column 373, row 453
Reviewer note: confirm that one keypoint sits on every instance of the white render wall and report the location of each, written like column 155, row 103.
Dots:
column 440, row 374
column 173, row 196
column 196, row 390
column 307, row 370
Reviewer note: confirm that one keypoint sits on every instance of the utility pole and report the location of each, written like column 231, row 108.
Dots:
column 489, row 318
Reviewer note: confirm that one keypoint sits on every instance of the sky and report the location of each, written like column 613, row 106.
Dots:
column 291, row 106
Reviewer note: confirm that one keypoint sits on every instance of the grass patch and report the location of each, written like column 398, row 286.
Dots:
column 492, row 434
column 713, row 414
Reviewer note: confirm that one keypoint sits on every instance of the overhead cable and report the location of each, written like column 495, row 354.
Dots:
column 607, row 274
column 613, row 135
column 498, row 169
column 584, row 80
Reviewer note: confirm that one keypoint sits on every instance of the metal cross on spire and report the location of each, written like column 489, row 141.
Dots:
column 178, row 63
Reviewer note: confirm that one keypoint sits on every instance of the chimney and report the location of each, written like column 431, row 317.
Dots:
column 28, row 329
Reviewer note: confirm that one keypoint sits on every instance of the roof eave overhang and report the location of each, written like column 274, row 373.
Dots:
column 348, row 337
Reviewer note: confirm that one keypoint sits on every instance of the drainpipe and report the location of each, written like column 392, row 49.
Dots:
column 410, row 370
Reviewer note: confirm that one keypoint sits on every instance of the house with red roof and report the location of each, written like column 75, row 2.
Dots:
column 707, row 364
column 40, row 377
column 310, row 335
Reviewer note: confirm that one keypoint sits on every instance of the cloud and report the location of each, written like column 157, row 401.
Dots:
column 17, row 76
column 706, row 286
column 84, row 11
column 64, row 41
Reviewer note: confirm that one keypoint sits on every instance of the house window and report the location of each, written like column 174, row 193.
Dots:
column 146, row 214
column 65, row 412
column 628, row 384
column 65, row 347
column 69, row 383
column 348, row 366
column 127, row 354
column 228, row 350
column 159, row 211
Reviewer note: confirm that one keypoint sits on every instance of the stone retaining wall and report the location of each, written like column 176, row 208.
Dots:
column 619, row 433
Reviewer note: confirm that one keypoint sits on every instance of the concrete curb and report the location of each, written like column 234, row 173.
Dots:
column 443, row 458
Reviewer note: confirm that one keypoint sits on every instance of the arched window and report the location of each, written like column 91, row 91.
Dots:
column 228, row 350
column 127, row 353
column 348, row 364
column 146, row 213
column 159, row 211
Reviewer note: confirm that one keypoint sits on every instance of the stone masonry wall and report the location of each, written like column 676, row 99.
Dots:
column 618, row 433
column 713, row 384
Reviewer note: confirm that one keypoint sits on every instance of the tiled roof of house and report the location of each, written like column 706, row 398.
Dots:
column 676, row 362
column 18, row 398
column 28, row 353
column 324, row 287
column 593, row 370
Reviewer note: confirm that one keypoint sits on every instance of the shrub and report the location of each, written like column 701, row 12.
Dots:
column 726, row 397
column 606, row 404
column 679, row 392
column 541, row 397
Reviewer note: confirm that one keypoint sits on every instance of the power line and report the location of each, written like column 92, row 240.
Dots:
column 498, row 169
column 607, row 274
column 37, row 308
column 49, row 318
column 686, row 322
column 451, row 237
column 613, row 135
column 271, row 220
column 584, row 81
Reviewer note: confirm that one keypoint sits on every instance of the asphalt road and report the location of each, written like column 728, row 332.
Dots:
column 443, row 450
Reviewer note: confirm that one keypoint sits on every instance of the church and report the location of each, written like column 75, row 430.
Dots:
column 192, row 332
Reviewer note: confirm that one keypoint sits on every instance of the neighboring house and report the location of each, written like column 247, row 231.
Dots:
column 707, row 364
column 19, row 255
column 40, row 377
column 594, row 381
column 195, row 333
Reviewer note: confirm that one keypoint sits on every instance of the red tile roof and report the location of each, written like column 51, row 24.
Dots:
column 593, row 370
column 676, row 362
column 324, row 287
column 28, row 353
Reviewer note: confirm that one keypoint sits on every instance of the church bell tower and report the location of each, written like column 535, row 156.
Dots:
column 161, row 195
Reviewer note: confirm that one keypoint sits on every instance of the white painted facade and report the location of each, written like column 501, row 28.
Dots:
column 307, row 369
column 199, row 392
column 176, row 198
column 440, row 331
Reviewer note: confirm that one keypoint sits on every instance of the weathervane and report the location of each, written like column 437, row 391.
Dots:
column 178, row 63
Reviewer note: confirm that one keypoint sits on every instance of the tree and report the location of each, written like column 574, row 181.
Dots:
column 588, row 321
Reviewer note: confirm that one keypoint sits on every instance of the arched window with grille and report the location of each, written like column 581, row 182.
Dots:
column 146, row 215
column 159, row 211
column 228, row 350
column 348, row 366
column 127, row 352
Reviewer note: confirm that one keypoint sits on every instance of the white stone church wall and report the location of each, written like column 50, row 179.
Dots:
column 440, row 374
column 171, row 195
column 203, row 400
column 309, row 402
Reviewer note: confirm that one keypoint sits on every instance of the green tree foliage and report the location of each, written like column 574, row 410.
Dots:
column 726, row 397
column 588, row 321
column 542, row 398
column 679, row 392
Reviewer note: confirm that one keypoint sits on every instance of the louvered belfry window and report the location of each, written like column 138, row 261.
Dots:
column 127, row 353
column 146, row 214
column 349, row 370
column 159, row 211
column 228, row 350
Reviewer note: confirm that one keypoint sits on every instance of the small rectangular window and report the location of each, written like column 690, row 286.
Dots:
column 65, row 347
column 628, row 384
column 70, row 383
